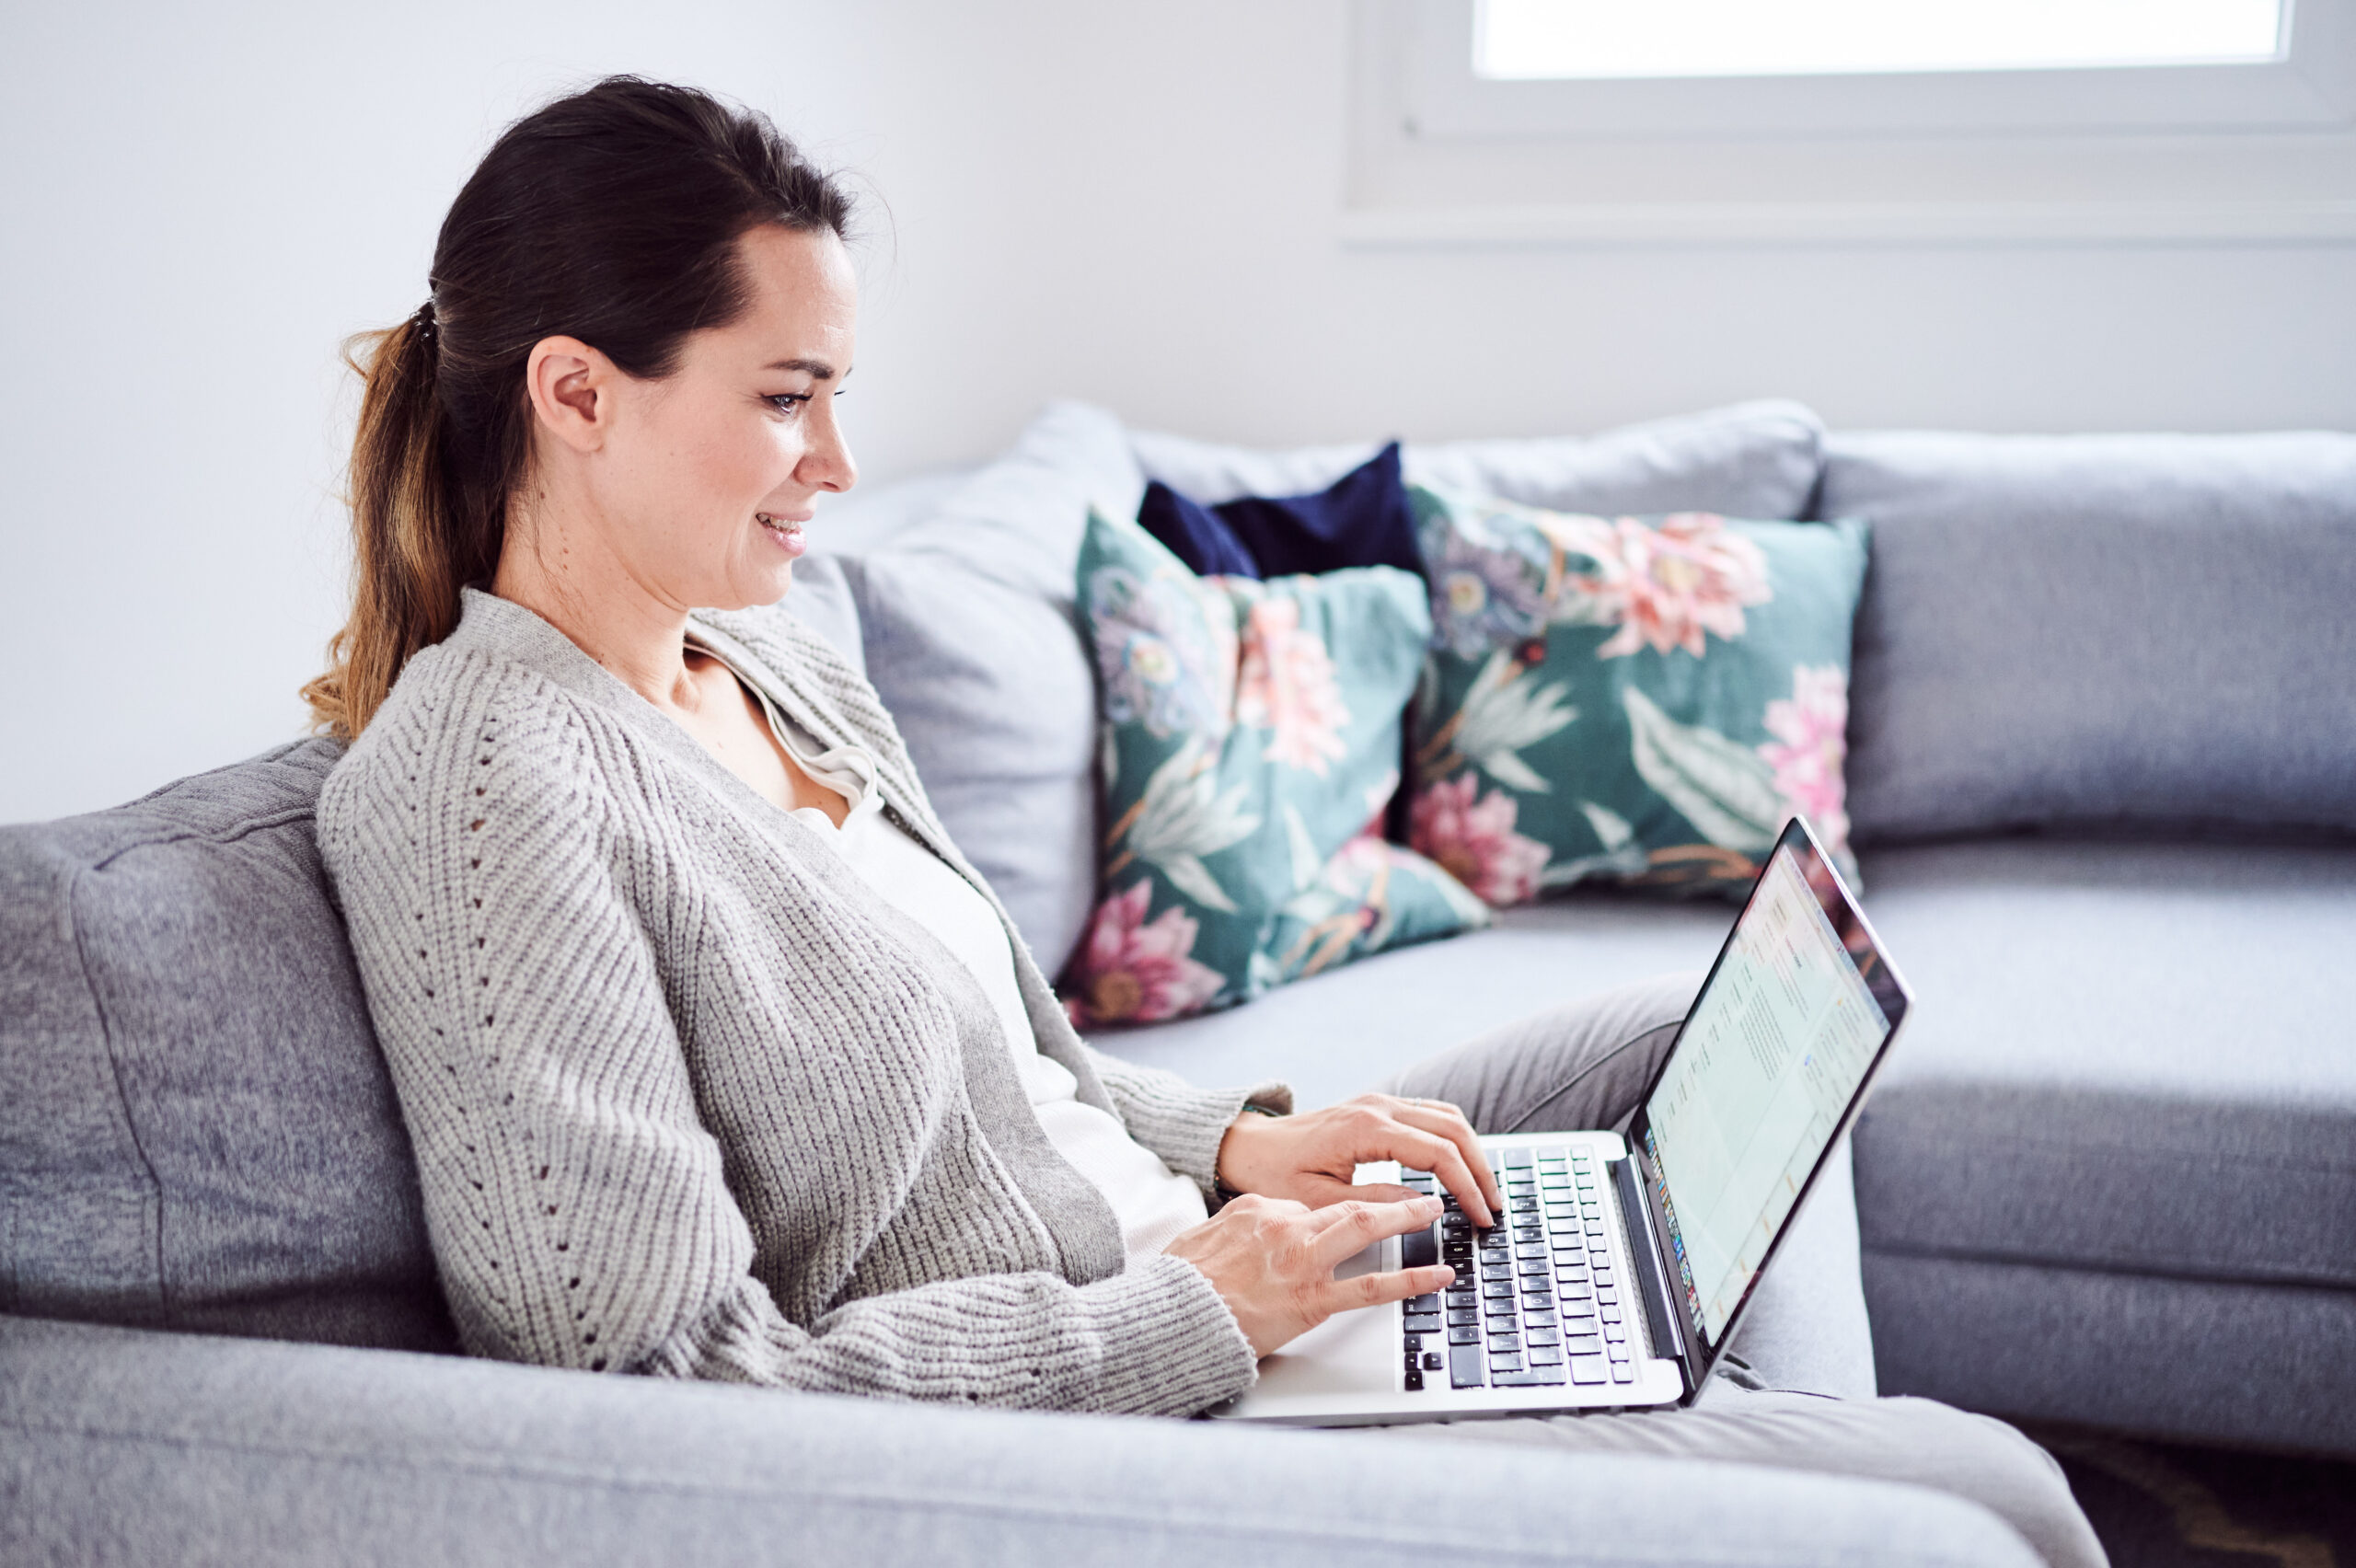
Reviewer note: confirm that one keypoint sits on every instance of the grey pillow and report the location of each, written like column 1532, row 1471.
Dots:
column 197, row 1131
column 2152, row 631
column 968, row 617
column 1753, row 460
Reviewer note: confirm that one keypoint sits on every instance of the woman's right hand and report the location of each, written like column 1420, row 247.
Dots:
column 1272, row 1261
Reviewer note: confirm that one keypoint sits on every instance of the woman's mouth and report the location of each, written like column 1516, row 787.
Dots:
column 783, row 530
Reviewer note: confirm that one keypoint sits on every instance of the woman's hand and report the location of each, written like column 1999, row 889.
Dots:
column 1311, row 1157
column 1271, row 1262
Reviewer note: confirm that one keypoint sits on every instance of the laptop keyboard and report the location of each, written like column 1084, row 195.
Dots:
column 1535, row 1303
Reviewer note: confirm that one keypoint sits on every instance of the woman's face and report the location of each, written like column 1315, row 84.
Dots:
column 704, row 477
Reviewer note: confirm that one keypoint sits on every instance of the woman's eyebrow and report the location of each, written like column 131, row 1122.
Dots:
column 817, row 370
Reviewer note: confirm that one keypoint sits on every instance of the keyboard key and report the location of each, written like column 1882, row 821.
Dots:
column 1541, row 1355
column 1588, row 1370
column 1506, row 1343
column 1617, row 1351
column 1541, row 1336
column 1412, row 1343
column 1424, row 1303
column 1464, row 1366
column 1420, row 1322
column 1459, row 1316
column 1575, row 1290
column 1529, row 1378
column 1418, row 1250
column 1513, row 1158
column 1434, row 1361
column 1467, row 1335
column 1504, row 1362
column 1415, row 1382
column 1610, row 1314
column 1492, row 1289
column 1622, row 1373
column 1617, row 1333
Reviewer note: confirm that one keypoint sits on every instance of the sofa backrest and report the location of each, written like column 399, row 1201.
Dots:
column 2151, row 633
column 197, row 1131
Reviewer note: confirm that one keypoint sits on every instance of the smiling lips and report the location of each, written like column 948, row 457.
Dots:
column 785, row 531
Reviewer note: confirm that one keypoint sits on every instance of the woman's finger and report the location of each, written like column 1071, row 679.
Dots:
column 1348, row 1228
column 1374, row 1290
column 1430, row 1151
column 1447, row 1121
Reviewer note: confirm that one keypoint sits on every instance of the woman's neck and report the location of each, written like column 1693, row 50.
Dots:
column 570, row 577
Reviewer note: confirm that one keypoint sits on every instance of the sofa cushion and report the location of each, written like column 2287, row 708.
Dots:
column 973, row 644
column 2127, row 1056
column 1251, row 733
column 1634, row 700
column 1362, row 519
column 196, row 1129
column 1751, row 460
column 2141, row 630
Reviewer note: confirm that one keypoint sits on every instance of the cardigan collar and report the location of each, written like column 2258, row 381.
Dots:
column 509, row 631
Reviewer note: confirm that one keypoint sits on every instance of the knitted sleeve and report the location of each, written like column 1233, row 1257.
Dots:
column 507, row 937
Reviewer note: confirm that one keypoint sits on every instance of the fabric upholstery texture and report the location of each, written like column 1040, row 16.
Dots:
column 127, row 1450
column 2102, row 630
column 1640, row 700
column 1251, row 735
column 196, row 1129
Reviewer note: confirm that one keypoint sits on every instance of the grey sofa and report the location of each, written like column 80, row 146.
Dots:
column 2104, row 771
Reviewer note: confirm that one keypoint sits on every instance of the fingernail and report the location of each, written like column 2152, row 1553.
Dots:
column 1428, row 1205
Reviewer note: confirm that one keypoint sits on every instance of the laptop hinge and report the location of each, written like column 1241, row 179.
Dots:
column 1652, row 1274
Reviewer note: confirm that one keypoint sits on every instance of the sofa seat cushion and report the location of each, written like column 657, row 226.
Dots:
column 197, row 1131
column 2125, row 1057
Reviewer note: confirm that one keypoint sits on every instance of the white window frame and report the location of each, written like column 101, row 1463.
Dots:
column 2236, row 152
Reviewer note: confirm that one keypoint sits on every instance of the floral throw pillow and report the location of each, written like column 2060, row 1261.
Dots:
column 1640, row 700
column 1251, row 732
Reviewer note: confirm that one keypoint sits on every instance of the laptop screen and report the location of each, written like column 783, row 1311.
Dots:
column 1762, row 1074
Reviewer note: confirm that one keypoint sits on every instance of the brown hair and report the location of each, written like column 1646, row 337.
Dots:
column 611, row 216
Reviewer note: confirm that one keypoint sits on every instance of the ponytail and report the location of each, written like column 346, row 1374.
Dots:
column 611, row 216
column 413, row 547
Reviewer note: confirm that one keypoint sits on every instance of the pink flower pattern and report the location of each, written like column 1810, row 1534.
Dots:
column 1666, row 585
column 1286, row 684
column 1131, row 970
column 1811, row 745
column 1473, row 840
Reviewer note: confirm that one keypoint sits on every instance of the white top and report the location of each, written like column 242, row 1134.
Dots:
column 1151, row 1202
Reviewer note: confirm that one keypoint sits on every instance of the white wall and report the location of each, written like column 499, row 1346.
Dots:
column 1133, row 204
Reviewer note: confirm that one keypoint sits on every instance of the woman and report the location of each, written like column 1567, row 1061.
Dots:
column 720, row 1060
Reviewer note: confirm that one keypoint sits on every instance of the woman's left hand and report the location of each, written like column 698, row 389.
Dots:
column 1310, row 1158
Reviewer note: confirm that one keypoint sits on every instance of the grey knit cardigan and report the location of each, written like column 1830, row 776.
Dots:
column 688, row 1097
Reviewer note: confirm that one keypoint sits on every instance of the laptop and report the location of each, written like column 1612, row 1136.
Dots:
column 1623, row 1265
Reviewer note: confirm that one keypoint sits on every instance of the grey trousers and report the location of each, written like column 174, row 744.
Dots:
column 1804, row 1397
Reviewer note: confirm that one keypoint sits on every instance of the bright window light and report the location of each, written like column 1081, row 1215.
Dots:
column 1537, row 39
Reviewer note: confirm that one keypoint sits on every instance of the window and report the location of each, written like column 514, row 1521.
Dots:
column 1596, row 39
column 1940, row 121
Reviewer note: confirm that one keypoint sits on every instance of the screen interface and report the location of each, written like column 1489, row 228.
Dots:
column 1761, row 1075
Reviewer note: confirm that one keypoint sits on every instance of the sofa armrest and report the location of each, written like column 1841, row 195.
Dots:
column 131, row 1447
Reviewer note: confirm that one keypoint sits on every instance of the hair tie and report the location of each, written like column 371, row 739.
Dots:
column 425, row 320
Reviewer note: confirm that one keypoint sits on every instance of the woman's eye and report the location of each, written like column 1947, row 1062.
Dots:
column 787, row 402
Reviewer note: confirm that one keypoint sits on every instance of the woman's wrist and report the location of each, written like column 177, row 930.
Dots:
column 1231, row 1158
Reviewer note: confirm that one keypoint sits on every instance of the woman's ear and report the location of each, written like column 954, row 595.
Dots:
column 571, row 387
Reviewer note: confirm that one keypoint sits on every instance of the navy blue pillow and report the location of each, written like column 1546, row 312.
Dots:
column 1362, row 520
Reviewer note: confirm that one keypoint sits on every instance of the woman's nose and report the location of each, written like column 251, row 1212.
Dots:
column 828, row 464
